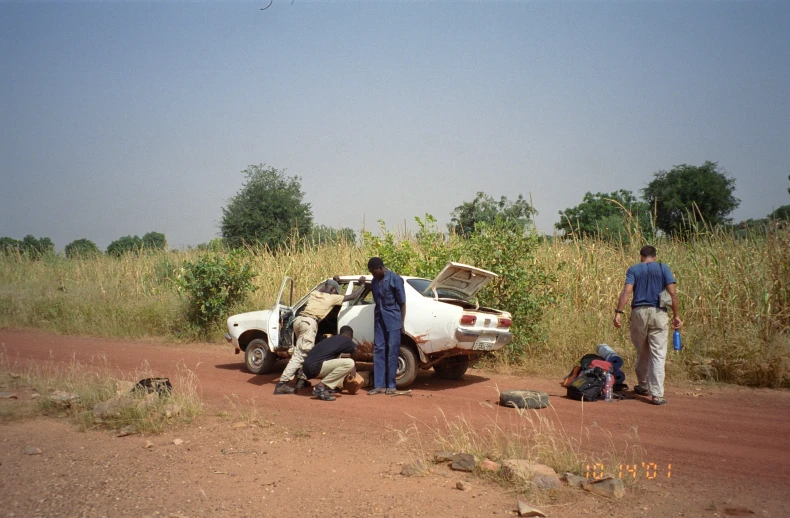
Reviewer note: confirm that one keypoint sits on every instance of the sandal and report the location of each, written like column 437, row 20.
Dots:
column 641, row 391
column 659, row 400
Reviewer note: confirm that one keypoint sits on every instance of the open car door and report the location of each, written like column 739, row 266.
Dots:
column 275, row 317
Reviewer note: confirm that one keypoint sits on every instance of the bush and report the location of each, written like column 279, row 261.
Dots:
column 125, row 245
column 523, row 288
column 81, row 248
column 215, row 284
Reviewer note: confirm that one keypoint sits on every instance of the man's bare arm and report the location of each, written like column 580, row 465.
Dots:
column 676, row 322
column 357, row 292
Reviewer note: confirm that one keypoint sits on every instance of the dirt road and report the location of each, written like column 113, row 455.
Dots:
column 728, row 448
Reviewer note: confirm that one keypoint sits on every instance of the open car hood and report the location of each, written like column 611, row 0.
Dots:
column 462, row 278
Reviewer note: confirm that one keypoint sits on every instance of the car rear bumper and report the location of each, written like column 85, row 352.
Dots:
column 482, row 339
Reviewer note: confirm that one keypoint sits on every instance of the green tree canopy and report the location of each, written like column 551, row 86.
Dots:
column 268, row 208
column 154, row 241
column 10, row 245
column 36, row 248
column 485, row 209
column 610, row 215
column 688, row 190
column 81, row 248
column 782, row 212
column 323, row 234
column 124, row 245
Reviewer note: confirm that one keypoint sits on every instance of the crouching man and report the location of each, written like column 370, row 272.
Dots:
column 324, row 362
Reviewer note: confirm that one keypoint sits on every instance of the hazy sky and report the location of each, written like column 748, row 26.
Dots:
column 119, row 118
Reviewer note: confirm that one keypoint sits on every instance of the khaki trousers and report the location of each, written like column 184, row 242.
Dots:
column 649, row 328
column 333, row 372
column 305, row 329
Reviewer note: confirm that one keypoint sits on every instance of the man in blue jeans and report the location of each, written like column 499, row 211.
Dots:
column 649, row 320
column 389, row 315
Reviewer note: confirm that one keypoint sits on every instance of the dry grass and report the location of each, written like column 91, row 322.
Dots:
column 734, row 295
column 92, row 383
column 534, row 436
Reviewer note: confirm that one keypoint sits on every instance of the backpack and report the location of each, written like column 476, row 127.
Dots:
column 588, row 385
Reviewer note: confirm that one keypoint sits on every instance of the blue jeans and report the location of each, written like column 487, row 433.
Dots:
column 386, row 347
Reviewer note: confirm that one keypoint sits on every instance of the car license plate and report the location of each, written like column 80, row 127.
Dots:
column 484, row 343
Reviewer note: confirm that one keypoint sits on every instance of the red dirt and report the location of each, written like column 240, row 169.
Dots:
column 728, row 448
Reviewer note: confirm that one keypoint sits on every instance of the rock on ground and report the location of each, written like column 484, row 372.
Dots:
column 608, row 487
column 413, row 469
column 463, row 462
column 463, row 486
column 524, row 509
column 574, row 480
column 544, row 477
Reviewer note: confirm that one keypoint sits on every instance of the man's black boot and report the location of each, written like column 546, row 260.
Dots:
column 283, row 388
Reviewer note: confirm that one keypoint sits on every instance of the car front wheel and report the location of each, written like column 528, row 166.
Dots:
column 258, row 358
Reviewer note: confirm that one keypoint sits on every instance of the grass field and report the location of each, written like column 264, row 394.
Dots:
column 734, row 297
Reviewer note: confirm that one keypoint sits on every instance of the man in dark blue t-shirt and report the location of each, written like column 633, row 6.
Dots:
column 324, row 362
column 389, row 315
column 649, row 320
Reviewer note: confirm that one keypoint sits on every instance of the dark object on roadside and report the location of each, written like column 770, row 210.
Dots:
column 620, row 387
column 588, row 385
column 161, row 386
column 533, row 399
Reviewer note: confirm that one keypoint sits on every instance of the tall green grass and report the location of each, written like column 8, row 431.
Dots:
column 734, row 297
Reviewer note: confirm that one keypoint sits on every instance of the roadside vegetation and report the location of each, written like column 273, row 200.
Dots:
column 734, row 292
column 73, row 390
column 733, row 280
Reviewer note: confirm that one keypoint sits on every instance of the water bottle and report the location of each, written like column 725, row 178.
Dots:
column 607, row 387
column 676, row 340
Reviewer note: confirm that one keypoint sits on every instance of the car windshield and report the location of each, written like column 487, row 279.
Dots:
column 421, row 285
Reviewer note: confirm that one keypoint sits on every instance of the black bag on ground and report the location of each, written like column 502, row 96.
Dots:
column 588, row 385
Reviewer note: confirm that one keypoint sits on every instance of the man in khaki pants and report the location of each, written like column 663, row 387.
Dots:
column 324, row 362
column 649, row 320
column 305, row 326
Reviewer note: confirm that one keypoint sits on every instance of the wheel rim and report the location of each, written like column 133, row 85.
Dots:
column 401, row 367
column 256, row 357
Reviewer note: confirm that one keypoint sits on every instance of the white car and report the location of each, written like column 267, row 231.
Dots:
column 445, row 328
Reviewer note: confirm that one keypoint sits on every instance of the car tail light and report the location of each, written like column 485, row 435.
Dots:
column 468, row 320
column 504, row 322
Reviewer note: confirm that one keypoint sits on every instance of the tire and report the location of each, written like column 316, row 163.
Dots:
column 524, row 399
column 452, row 368
column 258, row 358
column 407, row 367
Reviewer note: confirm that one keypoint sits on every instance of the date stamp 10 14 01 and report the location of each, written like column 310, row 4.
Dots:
column 647, row 470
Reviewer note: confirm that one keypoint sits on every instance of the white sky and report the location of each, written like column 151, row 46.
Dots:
column 123, row 118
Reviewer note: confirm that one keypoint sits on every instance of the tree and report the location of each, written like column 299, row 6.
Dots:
column 154, row 241
column 327, row 235
column 124, row 245
column 689, row 191
column 782, row 212
column 484, row 209
column 36, row 248
column 81, row 248
column 266, row 211
column 10, row 245
column 610, row 215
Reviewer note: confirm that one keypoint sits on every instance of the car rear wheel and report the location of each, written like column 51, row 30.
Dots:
column 407, row 367
column 258, row 358
column 452, row 368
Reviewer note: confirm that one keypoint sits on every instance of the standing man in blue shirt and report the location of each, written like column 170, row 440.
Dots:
column 389, row 315
column 649, row 320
